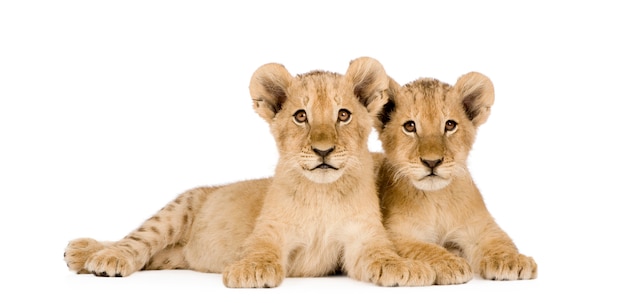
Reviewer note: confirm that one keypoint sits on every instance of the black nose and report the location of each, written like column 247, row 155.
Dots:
column 323, row 153
column 432, row 163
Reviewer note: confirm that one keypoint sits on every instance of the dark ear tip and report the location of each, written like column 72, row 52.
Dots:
column 384, row 116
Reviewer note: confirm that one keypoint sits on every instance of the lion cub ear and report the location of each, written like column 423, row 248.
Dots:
column 477, row 96
column 268, row 89
column 384, row 116
column 369, row 82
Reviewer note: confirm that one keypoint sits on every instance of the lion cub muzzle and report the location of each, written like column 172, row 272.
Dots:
column 323, row 163
column 432, row 172
column 323, row 154
column 432, row 164
column 323, row 138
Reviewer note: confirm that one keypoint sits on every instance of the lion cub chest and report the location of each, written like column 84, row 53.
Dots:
column 314, row 253
column 314, row 235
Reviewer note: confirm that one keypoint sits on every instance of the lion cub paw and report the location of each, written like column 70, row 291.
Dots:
column 253, row 274
column 452, row 270
column 111, row 262
column 399, row 272
column 508, row 267
column 78, row 251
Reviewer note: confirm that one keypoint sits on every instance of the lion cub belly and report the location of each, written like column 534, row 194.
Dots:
column 222, row 224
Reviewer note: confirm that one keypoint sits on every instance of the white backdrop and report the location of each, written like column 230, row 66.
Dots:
column 109, row 109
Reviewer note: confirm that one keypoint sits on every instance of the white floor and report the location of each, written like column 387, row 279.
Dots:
column 110, row 109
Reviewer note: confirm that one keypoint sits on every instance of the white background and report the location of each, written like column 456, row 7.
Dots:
column 109, row 109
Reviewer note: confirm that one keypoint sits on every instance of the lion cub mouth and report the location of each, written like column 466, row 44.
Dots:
column 324, row 166
column 432, row 181
column 323, row 173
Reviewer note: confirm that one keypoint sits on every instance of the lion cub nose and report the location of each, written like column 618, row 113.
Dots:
column 431, row 163
column 323, row 153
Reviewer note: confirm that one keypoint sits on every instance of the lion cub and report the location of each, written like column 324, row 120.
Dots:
column 428, row 199
column 318, row 214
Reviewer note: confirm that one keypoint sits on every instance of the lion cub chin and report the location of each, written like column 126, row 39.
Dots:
column 318, row 214
column 430, row 204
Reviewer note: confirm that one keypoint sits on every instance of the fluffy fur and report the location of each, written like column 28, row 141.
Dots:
column 317, row 215
column 431, row 206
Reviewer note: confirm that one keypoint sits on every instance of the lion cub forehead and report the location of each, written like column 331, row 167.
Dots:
column 319, row 84
column 428, row 88
column 319, row 90
column 425, row 94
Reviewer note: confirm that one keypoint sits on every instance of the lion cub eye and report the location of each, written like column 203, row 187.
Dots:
column 450, row 125
column 409, row 126
column 344, row 115
column 300, row 116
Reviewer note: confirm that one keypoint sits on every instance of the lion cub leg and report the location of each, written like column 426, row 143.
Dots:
column 261, row 267
column 171, row 257
column 79, row 250
column 449, row 268
column 497, row 258
column 154, row 245
column 373, row 259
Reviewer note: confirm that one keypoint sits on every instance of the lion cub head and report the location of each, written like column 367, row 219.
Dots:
column 320, row 120
column 428, row 127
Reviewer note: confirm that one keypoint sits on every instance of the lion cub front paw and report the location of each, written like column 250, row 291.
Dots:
column 508, row 267
column 111, row 262
column 400, row 272
column 452, row 270
column 253, row 274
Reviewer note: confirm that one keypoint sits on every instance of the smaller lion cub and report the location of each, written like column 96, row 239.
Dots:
column 432, row 209
column 319, row 214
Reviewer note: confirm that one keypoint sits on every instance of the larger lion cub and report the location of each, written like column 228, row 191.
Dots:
column 428, row 198
column 319, row 213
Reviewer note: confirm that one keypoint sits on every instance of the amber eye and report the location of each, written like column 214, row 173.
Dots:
column 409, row 126
column 450, row 125
column 344, row 115
column 300, row 116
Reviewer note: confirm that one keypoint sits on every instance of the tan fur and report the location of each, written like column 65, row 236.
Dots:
column 318, row 214
column 431, row 212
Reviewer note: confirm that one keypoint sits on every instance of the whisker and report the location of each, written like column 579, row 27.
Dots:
column 401, row 171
